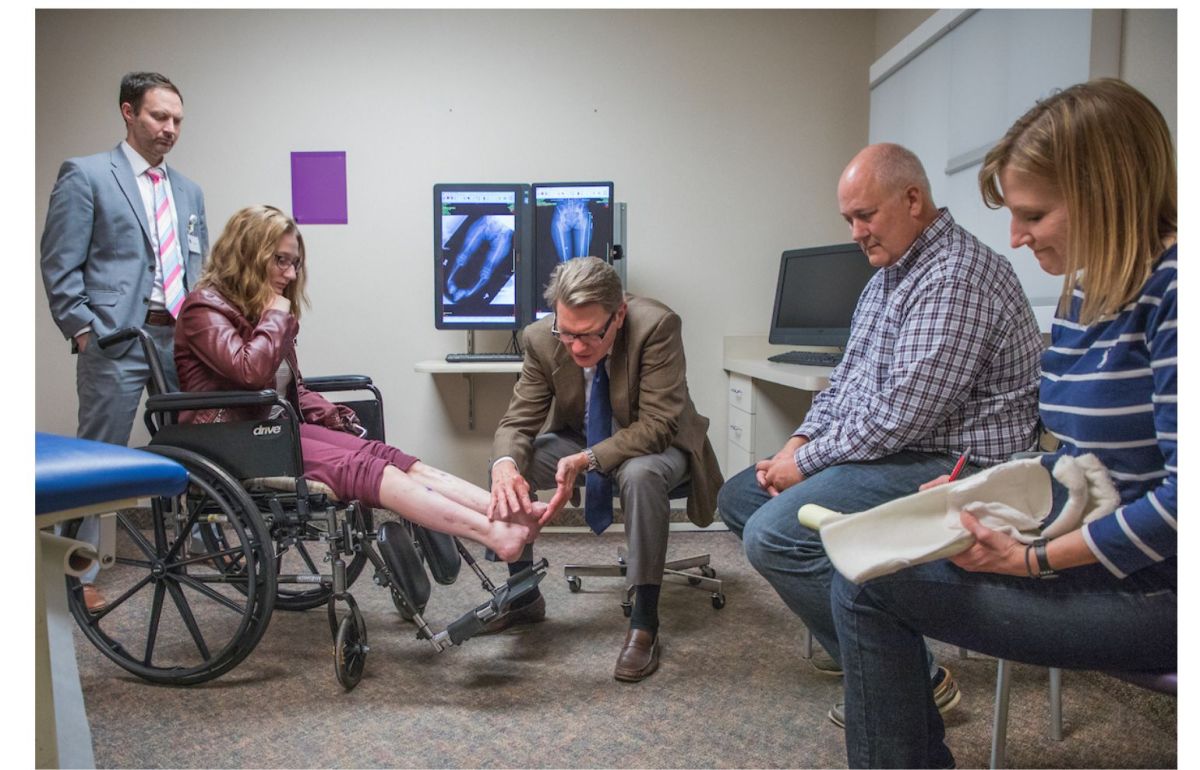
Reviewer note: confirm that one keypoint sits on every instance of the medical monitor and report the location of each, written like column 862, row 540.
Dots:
column 571, row 219
column 816, row 294
column 480, row 235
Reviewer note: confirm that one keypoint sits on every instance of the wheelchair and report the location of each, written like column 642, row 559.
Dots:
column 191, row 591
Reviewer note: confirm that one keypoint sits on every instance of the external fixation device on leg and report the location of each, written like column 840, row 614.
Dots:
column 1015, row 498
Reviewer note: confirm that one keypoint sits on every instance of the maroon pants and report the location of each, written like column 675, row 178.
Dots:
column 352, row 467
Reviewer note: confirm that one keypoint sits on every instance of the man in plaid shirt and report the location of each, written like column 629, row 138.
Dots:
column 943, row 358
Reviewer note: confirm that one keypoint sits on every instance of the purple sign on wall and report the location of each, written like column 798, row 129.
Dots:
column 319, row 188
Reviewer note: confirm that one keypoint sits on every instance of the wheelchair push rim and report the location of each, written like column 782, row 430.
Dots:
column 174, row 616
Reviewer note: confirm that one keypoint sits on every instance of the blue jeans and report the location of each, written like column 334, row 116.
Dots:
column 790, row 556
column 1085, row 618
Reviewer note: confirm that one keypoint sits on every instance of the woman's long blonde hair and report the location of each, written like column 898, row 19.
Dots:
column 240, row 264
column 1107, row 149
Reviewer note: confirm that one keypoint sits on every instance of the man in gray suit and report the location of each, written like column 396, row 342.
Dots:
column 125, row 237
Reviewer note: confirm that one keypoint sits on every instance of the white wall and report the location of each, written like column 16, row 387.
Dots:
column 1149, row 58
column 955, row 98
column 893, row 24
column 724, row 132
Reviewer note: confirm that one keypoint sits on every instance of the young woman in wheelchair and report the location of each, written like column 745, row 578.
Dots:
column 237, row 331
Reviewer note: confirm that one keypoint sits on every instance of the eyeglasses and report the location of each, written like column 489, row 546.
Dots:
column 590, row 338
column 283, row 263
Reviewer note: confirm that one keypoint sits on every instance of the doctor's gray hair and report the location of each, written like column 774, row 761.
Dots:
column 583, row 281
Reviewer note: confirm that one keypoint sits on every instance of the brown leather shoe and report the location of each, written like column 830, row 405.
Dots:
column 93, row 599
column 534, row 612
column 639, row 656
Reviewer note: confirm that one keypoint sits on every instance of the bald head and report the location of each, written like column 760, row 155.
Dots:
column 884, row 196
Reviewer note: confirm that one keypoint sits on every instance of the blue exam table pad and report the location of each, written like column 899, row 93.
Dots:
column 75, row 473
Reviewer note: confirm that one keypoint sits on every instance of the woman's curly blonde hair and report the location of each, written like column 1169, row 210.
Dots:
column 240, row 264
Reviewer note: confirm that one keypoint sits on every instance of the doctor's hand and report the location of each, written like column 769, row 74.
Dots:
column 780, row 472
column 568, row 470
column 510, row 492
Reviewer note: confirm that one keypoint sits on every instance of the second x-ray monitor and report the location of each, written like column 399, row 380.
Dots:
column 479, row 237
column 816, row 294
column 571, row 219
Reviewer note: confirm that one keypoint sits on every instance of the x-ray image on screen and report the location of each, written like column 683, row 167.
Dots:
column 571, row 229
column 572, row 219
column 476, row 264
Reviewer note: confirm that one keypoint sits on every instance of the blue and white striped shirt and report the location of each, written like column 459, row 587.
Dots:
column 943, row 356
column 1110, row 389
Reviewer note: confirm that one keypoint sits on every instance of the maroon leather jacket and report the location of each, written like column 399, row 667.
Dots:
column 218, row 348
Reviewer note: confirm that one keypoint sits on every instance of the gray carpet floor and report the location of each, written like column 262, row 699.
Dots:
column 732, row 691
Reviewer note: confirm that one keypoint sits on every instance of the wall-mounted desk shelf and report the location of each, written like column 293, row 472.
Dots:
column 468, row 370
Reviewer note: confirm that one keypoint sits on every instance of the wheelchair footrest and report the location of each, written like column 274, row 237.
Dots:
column 520, row 584
column 471, row 623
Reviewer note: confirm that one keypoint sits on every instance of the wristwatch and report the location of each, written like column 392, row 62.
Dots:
column 1043, row 563
column 593, row 463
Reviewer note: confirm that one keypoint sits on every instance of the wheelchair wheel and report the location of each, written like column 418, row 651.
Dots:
column 174, row 616
column 297, row 563
column 350, row 649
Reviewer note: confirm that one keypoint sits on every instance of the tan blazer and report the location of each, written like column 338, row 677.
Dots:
column 649, row 393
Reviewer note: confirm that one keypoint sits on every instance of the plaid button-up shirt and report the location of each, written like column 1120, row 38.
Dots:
column 943, row 356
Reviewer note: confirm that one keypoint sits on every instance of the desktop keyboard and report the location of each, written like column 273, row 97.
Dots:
column 483, row 358
column 807, row 358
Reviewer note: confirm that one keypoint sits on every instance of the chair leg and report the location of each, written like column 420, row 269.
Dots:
column 1000, row 716
column 1055, row 704
column 675, row 570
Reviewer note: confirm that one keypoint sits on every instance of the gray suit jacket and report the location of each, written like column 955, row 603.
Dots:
column 649, row 394
column 97, row 257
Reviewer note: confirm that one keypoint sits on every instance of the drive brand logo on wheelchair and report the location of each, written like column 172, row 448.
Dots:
column 196, row 578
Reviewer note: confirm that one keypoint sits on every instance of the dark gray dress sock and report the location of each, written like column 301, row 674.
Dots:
column 645, row 607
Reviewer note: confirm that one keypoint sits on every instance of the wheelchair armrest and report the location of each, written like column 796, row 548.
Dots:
column 338, row 382
column 217, row 399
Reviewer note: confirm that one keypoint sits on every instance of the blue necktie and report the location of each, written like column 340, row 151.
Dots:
column 598, row 508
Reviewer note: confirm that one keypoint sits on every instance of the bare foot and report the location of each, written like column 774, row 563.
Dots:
column 509, row 538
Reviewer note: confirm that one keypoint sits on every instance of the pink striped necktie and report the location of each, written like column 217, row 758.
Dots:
column 168, row 245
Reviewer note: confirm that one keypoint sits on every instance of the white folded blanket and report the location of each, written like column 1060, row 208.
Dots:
column 1014, row 497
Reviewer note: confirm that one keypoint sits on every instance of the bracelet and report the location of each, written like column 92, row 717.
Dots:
column 1039, row 552
column 593, row 463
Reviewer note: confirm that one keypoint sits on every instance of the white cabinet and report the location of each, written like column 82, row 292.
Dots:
column 766, row 401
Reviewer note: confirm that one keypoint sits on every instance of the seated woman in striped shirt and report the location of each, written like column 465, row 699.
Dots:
column 1089, row 178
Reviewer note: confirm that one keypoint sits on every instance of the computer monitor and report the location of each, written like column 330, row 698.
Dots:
column 571, row 219
column 816, row 294
column 480, row 235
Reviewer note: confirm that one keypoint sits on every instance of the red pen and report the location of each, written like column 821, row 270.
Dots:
column 958, row 466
